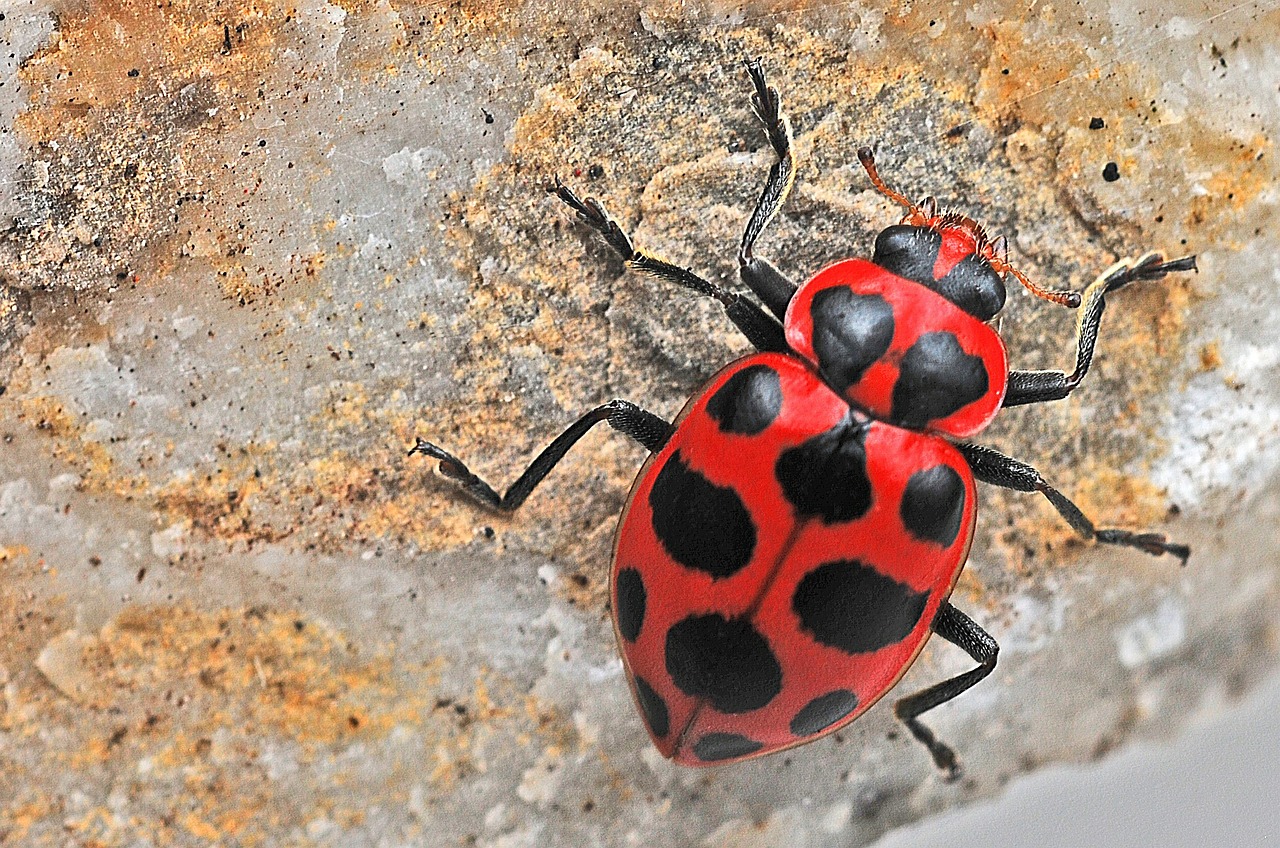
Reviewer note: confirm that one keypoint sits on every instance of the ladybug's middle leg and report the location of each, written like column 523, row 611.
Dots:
column 758, row 326
column 993, row 467
column 645, row 427
column 769, row 284
column 1042, row 386
column 960, row 630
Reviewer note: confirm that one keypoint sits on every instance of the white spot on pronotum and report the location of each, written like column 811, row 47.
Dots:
column 1154, row 635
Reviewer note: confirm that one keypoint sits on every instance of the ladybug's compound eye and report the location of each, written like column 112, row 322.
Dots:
column 912, row 252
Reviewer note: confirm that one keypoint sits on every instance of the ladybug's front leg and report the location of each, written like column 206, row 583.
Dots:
column 960, row 630
column 1042, row 386
column 993, row 467
column 760, row 276
column 645, row 427
column 758, row 326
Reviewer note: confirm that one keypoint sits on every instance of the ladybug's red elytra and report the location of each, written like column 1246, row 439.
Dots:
column 793, row 539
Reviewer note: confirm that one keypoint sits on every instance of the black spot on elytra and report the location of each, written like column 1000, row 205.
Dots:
column 974, row 286
column 936, row 378
column 932, row 506
column 823, row 711
column 850, row 332
column 849, row 605
column 701, row 525
column 826, row 476
column 724, row 660
column 653, row 707
column 631, row 603
column 908, row 251
column 748, row 402
column 724, row 746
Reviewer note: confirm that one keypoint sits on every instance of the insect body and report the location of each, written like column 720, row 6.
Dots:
column 780, row 561
column 795, row 535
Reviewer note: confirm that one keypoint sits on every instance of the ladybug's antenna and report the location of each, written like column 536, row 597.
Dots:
column 1062, row 297
column 997, row 253
column 999, row 260
column 867, row 158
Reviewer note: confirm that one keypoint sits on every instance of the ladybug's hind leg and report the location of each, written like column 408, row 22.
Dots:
column 759, row 275
column 645, row 427
column 760, row 328
column 960, row 630
column 993, row 467
column 1042, row 386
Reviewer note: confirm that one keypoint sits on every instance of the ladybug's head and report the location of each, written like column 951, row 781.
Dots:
column 951, row 254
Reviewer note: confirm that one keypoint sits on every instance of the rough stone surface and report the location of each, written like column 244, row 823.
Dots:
column 250, row 250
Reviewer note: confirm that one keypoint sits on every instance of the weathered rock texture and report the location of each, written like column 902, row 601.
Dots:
column 250, row 249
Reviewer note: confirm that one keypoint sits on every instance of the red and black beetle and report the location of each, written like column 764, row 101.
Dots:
column 795, row 535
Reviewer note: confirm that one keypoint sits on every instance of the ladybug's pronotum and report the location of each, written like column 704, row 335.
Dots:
column 795, row 535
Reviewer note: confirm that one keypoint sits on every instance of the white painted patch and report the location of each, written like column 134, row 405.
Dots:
column 1179, row 27
column 588, row 730
column 837, row 817
column 186, row 326
column 63, row 485
column 1153, row 636
column 1032, row 622
column 541, row 780
column 170, row 541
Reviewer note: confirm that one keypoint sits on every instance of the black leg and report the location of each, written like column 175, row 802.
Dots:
column 1041, row 386
column 759, row 275
column 758, row 326
column 645, row 427
column 993, row 467
column 960, row 630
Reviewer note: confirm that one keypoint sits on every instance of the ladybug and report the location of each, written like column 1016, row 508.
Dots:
column 794, row 537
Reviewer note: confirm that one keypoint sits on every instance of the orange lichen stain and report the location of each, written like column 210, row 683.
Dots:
column 1241, row 172
column 1019, row 67
column 250, row 497
column 971, row 590
column 293, row 676
column 198, row 696
column 455, row 22
column 220, row 504
column 1210, row 356
column 202, row 829
column 167, row 143
column 90, row 458
column 16, row 821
